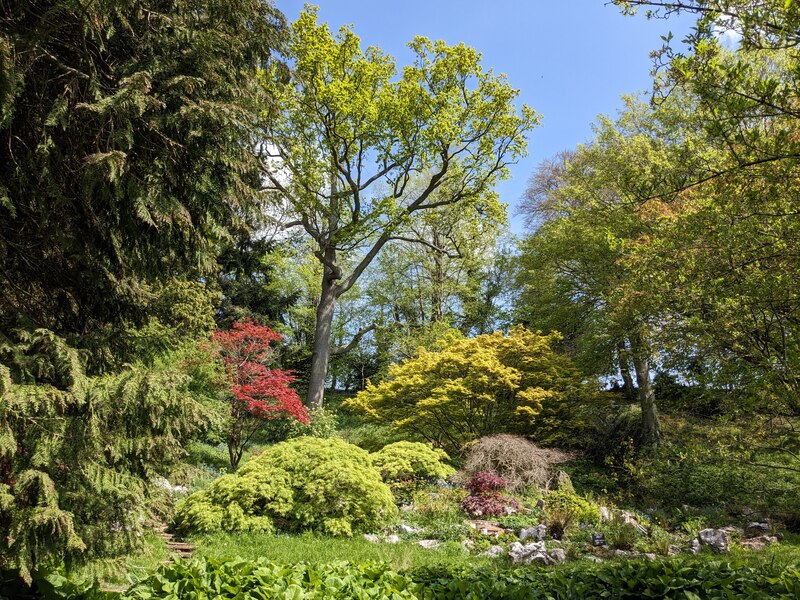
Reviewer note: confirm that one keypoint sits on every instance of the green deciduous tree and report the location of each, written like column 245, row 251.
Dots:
column 576, row 276
column 351, row 136
column 471, row 387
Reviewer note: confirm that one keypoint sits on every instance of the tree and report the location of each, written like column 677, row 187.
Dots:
column 349, row 137
column 576, row 275
column 258, row 393
column 249, row 282
column 470, row 388
column 77, row 453
column 127, row 129
column 732, row 224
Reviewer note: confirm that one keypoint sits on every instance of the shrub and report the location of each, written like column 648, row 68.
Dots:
column 411, row 460
column 405, row 466
column 564, row 509
column 622, row 536
column 305, row 483
column 629, row 580
column 485, row 482
column 485, row 499
column 484, row 385
column 518, row 460
column 258, row 391
column 323, row 423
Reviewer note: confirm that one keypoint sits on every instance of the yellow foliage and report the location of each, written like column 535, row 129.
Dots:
column 471, row 387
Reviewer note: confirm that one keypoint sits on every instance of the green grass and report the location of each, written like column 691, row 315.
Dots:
column 321, row 549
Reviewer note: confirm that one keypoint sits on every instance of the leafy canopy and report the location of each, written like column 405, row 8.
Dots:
column 471, row 387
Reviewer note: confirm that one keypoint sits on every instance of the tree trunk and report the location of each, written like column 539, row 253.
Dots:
column 322, row 341
column 625, row 371
column 651, row 427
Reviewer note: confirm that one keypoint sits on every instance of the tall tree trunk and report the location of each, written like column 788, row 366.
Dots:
column 651, row 427
column 322, row 341
column 625, row 371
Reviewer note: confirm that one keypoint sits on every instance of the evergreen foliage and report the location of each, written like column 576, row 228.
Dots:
column 126, row 130
column 76, row 452
column 411, row 460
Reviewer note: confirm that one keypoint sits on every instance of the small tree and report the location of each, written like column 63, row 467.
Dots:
column 259, row 392
column 471, row 388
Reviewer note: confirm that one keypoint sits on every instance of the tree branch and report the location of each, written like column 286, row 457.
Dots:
column 339, row 350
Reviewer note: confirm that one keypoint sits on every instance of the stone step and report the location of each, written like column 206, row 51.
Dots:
column 180, row 546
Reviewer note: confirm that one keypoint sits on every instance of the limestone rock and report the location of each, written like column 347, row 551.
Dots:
column 757, row 528
column 759, row 543
column 558, row 555
column 493, row 552
column 409, row 529
column 629, row 518
column 716, row 539
column 695, row 546
column 537, row 533
column 393, row 539
column 526, row 553
column 429, row 543
column 371, row 537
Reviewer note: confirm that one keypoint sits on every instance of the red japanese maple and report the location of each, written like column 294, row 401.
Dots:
column 260, row 392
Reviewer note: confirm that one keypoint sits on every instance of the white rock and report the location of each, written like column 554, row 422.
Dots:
column 393, row 539
column 526, row 553
column 429, row 543
column 493, row 552
column 558, row 555
column 537, row 533
column 756, row 529
column 715, row 538
column 695, row 547
column 371, row 537
column 408, row 529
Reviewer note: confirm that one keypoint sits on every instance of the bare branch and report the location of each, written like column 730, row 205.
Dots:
column 339, row 350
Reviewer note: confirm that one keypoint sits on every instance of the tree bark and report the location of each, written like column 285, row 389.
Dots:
column 651, row 426
column 625, row 371
column 322, row 341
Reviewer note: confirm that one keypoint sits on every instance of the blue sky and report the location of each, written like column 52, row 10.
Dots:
column 570, row 59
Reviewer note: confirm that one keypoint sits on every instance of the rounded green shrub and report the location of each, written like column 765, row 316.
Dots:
column 306, row 483
column 411, row 460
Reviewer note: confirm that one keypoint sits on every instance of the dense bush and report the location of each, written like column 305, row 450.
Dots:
column 517, row 460
column 259, row 579
column 722, row 465
column 76, row 452
column 305, row 483
column 323, row 423
column 485, row 499
column 472, row 387
column 411, row 460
